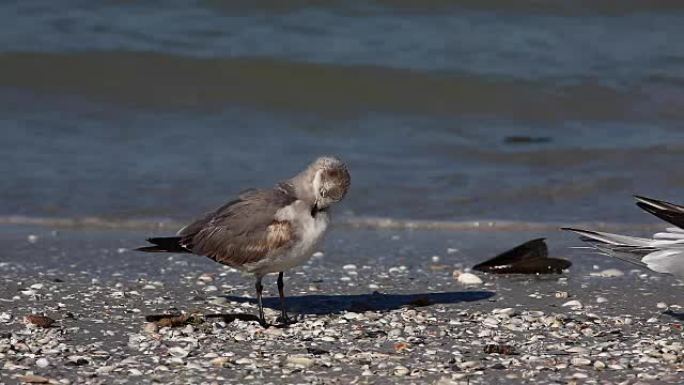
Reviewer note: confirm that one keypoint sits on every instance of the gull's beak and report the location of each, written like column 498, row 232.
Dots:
column 315, row 208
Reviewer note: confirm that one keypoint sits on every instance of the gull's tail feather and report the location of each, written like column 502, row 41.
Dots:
column 633, row 255
column 666, row 211
column 623, row 247
column 610, row 238
column 164, row 245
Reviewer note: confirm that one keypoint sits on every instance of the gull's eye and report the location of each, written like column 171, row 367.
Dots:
column 335, row 193
column 322, row 192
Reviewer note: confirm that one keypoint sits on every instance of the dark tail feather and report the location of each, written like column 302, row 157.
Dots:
column 164, row 245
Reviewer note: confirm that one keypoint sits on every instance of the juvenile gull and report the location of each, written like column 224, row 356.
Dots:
column 664, row 253
column 266, row 231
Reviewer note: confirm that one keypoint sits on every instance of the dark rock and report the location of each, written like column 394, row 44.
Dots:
column 529, row 258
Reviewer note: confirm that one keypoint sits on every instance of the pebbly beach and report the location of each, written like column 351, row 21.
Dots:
column 378, row 306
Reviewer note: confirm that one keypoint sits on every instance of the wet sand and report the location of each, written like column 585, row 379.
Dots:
column 380, row 306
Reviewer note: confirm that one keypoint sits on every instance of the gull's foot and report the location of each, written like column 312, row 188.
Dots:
column 263, row 323
column 284, row 319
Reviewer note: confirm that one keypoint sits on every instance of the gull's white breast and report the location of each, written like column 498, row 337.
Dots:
column 309, row 231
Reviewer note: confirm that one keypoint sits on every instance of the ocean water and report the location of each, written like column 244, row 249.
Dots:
column 540, row 111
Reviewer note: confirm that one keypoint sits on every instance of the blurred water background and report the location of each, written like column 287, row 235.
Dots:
column 523, row 110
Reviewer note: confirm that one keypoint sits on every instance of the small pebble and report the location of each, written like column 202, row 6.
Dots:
column 219, row 362
column 297, row 361
column 400, row 370
column 177, row 351
column 150, row 328
column 608, row 273
column 574, row 304
column 5, row 317
column 580, row 361
column 244, row 361
column 467, row 278
column 42, row 362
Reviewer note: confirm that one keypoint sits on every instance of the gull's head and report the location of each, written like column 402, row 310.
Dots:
column 330, row 181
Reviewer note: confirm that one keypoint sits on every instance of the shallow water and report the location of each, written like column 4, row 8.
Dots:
column 447, row 110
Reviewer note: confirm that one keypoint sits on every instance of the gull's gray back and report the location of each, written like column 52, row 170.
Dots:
column 243, row 230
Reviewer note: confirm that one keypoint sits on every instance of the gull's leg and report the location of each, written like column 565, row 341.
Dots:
column 283, row 312
column 259, row 289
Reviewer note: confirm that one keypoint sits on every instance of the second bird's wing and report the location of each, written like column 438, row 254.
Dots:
column 666, row 211
column 663, row 254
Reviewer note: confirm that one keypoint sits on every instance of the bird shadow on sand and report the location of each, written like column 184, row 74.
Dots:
column 330, row 304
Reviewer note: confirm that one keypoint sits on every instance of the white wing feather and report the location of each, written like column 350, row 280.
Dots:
column 662, row 254
column 670, row 261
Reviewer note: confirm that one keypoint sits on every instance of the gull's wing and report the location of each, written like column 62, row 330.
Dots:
column 629, row 254
column 666, row 211
column 669, row 261
column 610, row 238
column 623, row 247
column 666, row 239
column 663, row 254
column 671, row 233
column 244, row 230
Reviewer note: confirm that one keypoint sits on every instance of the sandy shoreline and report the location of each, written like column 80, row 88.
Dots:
column 376, row 308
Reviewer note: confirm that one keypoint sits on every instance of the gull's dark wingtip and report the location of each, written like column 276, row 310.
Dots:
column 642, row 201
column 148, row 249
column 574, row 230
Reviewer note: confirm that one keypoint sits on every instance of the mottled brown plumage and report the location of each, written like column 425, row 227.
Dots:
column 243, row 231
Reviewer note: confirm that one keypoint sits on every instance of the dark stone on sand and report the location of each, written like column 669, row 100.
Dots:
column 317, row 351
column 531, row 257
column 375, row 334
column 78, row 361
